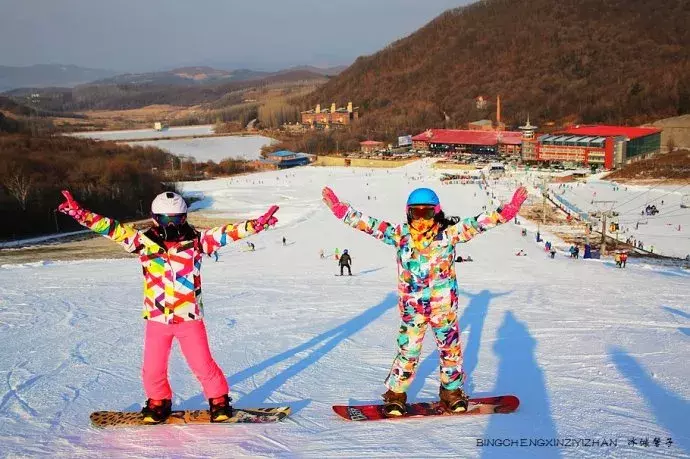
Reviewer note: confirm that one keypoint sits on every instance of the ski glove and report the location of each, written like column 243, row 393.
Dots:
column 338, row 208
column 511, row 209
column 265, row 220
column 71, row 207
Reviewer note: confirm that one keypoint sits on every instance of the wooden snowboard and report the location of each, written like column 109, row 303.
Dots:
column 239, row 415
column 486, row 405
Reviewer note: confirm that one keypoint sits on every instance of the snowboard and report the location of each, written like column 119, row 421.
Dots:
column 374, row 412
column 239, row 415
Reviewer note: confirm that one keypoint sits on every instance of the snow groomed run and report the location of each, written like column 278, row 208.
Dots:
column 597, row 355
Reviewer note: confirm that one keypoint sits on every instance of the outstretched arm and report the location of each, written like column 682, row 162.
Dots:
column 125, row 235
column 382, row 230
column 215, row 238
column 470, row 227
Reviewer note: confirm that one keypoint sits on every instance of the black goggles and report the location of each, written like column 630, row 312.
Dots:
column 170, row 219
column 421, row 212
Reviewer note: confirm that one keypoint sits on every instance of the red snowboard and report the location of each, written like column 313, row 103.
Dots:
column 486, row 405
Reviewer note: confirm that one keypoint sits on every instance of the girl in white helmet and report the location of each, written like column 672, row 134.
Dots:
column 171, row 252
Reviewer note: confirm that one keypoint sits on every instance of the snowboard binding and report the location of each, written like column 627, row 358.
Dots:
column 220, row 408
column 454, row 401
column 394, row 403
column 156, row 411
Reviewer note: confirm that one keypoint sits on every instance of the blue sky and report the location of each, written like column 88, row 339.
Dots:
column 143, row 35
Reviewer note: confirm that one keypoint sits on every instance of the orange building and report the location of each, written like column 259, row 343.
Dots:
column 333, row 117
column 607, row 146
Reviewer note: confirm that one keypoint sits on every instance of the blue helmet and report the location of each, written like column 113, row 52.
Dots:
column 344, row 251
column 423, row 196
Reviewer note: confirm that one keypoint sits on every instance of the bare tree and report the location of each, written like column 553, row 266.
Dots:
column 18, row 183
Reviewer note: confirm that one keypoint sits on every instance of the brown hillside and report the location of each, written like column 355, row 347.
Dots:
column 614, row 61
column 673, row 167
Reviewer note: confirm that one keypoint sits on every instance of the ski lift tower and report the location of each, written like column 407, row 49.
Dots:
column 604, row 215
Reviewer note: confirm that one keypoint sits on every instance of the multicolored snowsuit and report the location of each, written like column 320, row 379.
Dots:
column 428, row 293
column 172, row 299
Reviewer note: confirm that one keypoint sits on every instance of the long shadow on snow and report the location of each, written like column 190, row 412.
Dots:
column 321, row 345
column 669, row 409
column 473, row 317
column 519, row 374
column 683, row 314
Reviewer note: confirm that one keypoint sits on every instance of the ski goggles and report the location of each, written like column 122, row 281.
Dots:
column 421, row 212
column 170, row 219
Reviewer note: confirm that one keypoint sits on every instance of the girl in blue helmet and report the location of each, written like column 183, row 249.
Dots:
column 427, row 287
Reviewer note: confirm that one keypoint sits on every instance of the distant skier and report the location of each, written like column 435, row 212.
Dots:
column 171, row 253
column 427, row 286
column 284, row 241
column 337, row 254
column 215, row 255
column 345, row 262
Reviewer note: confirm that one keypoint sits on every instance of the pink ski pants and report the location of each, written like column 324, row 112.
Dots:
column 158, row 338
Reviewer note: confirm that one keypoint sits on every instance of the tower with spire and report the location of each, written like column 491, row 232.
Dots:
column 529, row 141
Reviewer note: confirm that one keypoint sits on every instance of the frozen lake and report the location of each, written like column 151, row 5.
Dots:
column 182, row 131
column 212, row 148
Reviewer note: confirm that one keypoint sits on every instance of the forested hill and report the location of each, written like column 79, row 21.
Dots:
column 614, row 61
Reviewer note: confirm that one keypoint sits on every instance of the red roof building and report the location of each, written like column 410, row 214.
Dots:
column 467, row 141
column 611, row 131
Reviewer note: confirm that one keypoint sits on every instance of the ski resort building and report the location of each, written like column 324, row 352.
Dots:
column 607, row 146
column 451, row 141
column 285, row 159
column 319, row 118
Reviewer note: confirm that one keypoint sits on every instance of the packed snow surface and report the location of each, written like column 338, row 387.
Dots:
column 130, row 134
column 596, row 354
column 666, row 232
column 212, row 148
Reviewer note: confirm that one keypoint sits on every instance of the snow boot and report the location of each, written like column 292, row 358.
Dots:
column 220, row 408
column 454, row 400
column 394, row 403
column 156, row 411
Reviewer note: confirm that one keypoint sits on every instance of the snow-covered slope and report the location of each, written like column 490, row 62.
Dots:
column 667, row 232
column 593, row 352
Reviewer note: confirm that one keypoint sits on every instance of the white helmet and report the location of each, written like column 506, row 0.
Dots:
column 168, row 203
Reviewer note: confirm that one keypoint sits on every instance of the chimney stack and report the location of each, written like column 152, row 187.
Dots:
column 318, row 108
column 349, row 107
column 333, row 107
column 498, row 110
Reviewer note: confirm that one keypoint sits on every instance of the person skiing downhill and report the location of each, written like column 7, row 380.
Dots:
column 427, row 286
column 171, row 252
column 345, row 262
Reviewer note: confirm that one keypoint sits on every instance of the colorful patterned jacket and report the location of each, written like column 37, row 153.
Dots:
column 430, row 268
column 172, row 277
